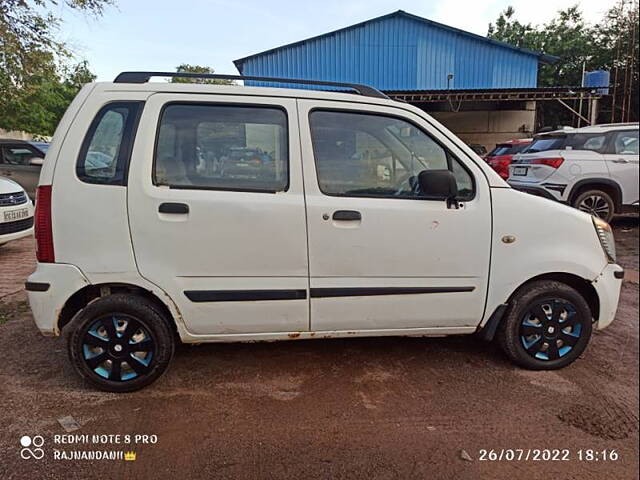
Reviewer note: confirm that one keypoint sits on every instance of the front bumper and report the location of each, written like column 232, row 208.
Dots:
column 608, row 286
column 8, row 237
column 49, row 288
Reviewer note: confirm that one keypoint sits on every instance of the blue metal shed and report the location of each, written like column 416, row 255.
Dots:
column 400, row 51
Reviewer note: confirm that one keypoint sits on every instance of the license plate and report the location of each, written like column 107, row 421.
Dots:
column 522, row 171
column 14, row 215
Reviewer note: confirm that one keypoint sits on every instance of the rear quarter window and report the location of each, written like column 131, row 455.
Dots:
column 106, row 149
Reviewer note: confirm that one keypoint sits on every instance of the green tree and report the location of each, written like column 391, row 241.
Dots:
column 37, row 79
column 187, row 68
column 611, row 44
column 566, row 36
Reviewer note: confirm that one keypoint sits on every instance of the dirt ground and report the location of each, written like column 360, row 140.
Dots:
column 390, row 408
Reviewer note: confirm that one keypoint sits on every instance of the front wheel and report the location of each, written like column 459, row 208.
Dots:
column 547, row 326
column 120, row 343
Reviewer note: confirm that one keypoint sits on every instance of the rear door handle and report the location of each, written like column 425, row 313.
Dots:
column 176, row 208
column 348, row 215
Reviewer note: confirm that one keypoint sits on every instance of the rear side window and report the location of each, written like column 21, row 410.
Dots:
column 222, row 147
column 626, row 143
column 106, row 150
column 18, row 155
column 581, row 141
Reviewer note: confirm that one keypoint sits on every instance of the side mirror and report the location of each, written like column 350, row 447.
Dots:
column 36, row 161
column 439, row 185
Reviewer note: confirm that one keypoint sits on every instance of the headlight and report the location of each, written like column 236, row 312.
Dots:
column 605, row 234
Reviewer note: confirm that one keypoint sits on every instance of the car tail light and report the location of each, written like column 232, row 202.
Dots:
column 554, row 162
column 43, row 228
column 501, row 166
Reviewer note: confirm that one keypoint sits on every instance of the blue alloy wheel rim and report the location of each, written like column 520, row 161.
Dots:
column 118, row 348
column 550, row 329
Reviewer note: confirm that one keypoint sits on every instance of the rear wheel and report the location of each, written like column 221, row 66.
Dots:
column 548, row 325
column 120, row 343
column 597, row 203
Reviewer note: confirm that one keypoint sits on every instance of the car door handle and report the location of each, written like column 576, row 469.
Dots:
column 348, row 215
column 176, row 208
column 620, row 160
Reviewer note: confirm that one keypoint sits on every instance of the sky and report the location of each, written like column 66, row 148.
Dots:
column 161, row 34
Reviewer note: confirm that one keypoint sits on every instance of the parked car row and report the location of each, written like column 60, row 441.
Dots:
column 594, row 169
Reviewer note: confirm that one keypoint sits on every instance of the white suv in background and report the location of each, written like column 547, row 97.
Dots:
column 594, row 169
column 16, row 212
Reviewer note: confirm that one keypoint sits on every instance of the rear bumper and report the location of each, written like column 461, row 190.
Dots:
column 608, row 286
column 49, row 288
column 536, row 189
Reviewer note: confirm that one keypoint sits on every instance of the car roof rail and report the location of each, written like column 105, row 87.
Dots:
column 620, row 124
column 144, row 77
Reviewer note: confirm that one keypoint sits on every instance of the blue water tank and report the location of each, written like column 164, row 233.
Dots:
column 598, row 79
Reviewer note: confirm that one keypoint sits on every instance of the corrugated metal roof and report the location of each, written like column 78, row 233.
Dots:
column 400, row 51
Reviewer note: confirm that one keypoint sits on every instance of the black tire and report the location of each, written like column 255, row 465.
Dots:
column 596, row 202
column 521, row 318
column 100, row 341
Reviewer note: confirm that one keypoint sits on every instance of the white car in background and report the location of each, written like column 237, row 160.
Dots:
column 16, row 212
column 594, row 169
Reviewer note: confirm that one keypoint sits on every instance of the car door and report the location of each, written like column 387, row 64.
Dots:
column 17, row 164
column 382, row 257
column 622, row 162
column 217, row 212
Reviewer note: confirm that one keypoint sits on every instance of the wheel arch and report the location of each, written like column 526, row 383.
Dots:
column 605, row 184
column 582, row 286
column 89, row 293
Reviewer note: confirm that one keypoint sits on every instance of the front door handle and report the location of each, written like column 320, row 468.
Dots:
column 176, row 208
column 620, row 160
column 348, row 215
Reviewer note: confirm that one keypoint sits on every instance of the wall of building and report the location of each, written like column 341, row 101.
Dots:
column 399, row 52
column 14, row 135
column 491, row 126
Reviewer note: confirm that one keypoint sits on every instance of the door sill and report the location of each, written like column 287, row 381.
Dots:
column 277, row 336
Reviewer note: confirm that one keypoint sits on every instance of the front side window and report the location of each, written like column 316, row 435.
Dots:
column 626, row 143
column 359, row 154
column 106, row 150
column 19, row 155
column 225, row 147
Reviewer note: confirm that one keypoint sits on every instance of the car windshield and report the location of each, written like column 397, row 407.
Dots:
column 508, row 149
column 545, row 143
column 42, row 146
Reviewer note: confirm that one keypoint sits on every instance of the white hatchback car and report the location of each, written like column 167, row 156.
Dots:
column 16, row 212
column 230, row 213
column 594, row 169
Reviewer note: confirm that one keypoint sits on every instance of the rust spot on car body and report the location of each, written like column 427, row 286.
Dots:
column 294, row 335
